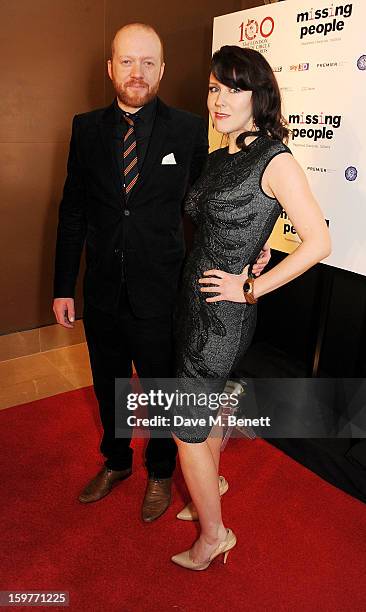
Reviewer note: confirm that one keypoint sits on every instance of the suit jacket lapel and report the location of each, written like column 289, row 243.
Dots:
column 106, row 128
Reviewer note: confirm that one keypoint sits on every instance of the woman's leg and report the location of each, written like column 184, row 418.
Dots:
column 214, row 442
column 200, row 473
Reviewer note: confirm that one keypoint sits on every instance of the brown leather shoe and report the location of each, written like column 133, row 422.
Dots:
column 102, row 484
column 157, row 498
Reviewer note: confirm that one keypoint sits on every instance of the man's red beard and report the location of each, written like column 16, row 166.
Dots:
column 135, row 98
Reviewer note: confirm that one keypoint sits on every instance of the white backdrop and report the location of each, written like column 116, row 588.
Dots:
column 318, row 52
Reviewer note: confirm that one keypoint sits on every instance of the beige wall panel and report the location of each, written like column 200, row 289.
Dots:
column 51, row 65
column 31, row 176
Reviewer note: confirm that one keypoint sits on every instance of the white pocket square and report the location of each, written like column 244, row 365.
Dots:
column 169, row 159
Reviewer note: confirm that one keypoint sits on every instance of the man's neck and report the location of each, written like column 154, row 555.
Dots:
column 128, row 109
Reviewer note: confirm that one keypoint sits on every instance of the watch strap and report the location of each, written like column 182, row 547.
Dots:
column 248, row 290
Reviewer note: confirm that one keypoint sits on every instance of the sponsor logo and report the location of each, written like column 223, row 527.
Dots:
column 316, row 169
column 361, row 62
column 256, row 34
column 277, row 69
column 334, row 15
column 351, row 173
column 327, row 64
column 319, row 169
column 299, row 67
column 253, row 29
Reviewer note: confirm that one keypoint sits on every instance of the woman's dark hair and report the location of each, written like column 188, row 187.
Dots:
column 248, row 70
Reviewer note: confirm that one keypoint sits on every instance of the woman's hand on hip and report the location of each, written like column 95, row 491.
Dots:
column 226, row 287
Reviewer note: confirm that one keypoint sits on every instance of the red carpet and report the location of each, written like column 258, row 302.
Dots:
column 301, row 542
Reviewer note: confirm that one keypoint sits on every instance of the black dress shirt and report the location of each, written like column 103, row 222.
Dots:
column 144, row 122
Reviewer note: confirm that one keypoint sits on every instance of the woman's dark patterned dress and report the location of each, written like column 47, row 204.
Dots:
column 234, row 219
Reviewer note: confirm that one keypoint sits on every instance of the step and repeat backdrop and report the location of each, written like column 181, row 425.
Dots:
column 318, row 53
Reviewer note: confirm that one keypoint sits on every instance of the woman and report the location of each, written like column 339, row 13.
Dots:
column 235, row 205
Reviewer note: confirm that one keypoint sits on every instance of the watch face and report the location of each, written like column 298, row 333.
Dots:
column 246, row 287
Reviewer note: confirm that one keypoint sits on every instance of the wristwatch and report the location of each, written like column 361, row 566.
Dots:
column 248, row 290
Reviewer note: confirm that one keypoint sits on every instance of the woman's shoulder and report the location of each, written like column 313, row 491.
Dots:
column 273, row 145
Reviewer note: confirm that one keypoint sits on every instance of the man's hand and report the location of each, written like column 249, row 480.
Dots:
column 64, row 309
column 262, row 260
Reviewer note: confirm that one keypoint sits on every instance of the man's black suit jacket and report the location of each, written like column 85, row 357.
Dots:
column 146, row 231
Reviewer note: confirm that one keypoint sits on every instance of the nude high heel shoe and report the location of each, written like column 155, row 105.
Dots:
column 189, row 512
column 184, row 560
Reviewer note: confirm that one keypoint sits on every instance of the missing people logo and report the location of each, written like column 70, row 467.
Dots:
column 323, row 21
column 314, row 126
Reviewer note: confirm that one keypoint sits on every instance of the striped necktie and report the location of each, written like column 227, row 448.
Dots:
column 130, row 166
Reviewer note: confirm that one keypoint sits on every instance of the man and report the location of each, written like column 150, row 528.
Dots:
column 129, row 167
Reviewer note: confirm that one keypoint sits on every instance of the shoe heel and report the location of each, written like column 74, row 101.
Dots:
column 225, row 556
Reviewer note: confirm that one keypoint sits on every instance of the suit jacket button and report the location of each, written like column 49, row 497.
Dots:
column 127, row 212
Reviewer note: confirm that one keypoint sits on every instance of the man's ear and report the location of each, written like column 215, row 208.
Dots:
column 109, row 68
column 162, row 68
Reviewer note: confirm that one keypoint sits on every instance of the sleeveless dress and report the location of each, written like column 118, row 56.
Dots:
column 234, row 219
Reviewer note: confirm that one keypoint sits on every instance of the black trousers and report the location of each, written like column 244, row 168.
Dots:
column 113, row 343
